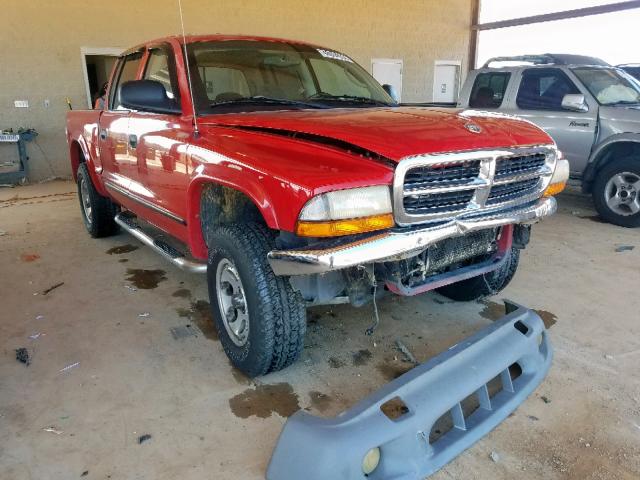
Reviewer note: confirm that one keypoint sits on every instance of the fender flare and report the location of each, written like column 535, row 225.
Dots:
column 252, row 190
column 596, row 159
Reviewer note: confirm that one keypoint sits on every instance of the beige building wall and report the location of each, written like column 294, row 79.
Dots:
column 41, row 41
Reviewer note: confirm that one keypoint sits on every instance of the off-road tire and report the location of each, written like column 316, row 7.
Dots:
column 628, row 164
column 277, row 313
column 484, row 285
column 103, row 210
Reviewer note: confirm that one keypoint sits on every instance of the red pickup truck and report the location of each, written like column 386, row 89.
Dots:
column 288, row 175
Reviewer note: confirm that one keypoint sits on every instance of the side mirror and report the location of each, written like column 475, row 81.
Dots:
column 575, row 103
column 147, row 95
column 391, row 90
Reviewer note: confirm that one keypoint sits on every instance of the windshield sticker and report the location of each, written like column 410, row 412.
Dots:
column 334, row 55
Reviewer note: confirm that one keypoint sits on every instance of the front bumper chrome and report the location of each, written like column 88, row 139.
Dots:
column 392, row 245
column 316, row 448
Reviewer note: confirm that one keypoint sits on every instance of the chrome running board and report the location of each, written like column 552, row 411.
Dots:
column 128, row 222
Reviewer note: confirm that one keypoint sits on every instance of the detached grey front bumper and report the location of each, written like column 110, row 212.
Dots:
column 397, row 245
column 313, row 448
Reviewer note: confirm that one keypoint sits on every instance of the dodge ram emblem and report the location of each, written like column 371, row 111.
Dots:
column 473, row 128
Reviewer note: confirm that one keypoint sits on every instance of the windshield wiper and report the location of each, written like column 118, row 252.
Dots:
column 260, row 99
column 347, row 98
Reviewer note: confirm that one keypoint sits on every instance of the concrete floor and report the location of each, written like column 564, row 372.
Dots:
column 132, row 378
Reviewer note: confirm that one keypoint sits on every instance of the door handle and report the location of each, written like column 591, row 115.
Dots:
column 103, row 134
column 133, row 141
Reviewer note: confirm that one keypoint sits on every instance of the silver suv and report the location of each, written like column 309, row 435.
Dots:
column 592, row 111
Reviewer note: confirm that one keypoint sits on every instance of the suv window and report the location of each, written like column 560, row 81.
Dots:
column 544, row 89
column 160, row 68
column 488, row 89
column 128, row 69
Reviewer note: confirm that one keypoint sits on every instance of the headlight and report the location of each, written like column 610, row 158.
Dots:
column 559, row 178
column 346, row 212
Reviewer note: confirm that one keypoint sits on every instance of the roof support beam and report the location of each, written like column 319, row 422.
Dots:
column 550, row 17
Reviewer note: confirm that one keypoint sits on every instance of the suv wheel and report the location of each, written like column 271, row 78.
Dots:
column 484, row 285
column 98, row 212
column 616, row 192
column 261, row 320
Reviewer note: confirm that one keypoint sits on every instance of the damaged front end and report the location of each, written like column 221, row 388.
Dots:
column 442, row 407
column 442, row 263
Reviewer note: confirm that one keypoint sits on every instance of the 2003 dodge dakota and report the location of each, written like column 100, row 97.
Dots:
column 292, row 178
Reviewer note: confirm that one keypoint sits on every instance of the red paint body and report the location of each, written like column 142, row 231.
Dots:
column 278, row 173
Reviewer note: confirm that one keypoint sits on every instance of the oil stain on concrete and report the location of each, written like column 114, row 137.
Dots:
column 320, row 401
column 494, row 311
column 120, row 249
column 200, row 314
column 264, row 400
column 335, row 362
column 182, row 293
column 392, row 369
column 361, row 357
column 145, row 279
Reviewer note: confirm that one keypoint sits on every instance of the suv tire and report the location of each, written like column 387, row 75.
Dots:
column 98, row 212
column 484, row 285
column 616, row 192
column 261, row 320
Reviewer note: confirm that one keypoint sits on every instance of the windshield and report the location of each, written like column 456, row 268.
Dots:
column 241, row 75
column 609, row 86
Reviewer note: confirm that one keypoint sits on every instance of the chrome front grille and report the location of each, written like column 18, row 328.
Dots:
column 441, row 187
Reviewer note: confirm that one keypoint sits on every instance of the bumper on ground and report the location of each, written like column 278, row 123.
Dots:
column 316, row 448
column 393, row 245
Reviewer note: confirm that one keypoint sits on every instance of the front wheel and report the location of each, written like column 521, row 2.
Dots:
column 484, row 285
column 261, row 320
column 616, row 192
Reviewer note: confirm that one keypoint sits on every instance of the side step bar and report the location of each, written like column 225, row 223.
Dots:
column 470, row 388
column 128, row 222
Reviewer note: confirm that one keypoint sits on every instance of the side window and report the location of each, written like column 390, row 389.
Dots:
column 489, row 89
column 160, row 68
column 544, row 89
column 128, row 69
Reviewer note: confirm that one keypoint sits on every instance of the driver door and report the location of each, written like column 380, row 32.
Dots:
column 539, row 100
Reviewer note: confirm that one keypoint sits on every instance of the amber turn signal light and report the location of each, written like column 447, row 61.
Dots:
column 337, row 228
column 554, row 189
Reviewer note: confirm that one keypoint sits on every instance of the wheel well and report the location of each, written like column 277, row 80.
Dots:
column 615, row 150
column 224, row 205
column 77, row 157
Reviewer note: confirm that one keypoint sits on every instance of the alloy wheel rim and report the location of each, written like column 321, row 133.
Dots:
column 622, row 193
column 232, row 302
column 85, row 199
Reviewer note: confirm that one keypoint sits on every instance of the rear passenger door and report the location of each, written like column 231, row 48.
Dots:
column 118, row 166
column 539, row 99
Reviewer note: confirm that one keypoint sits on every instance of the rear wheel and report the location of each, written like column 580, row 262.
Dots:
column 261, row 320
column 484, row 285
column 98, row 212
column 616, row 192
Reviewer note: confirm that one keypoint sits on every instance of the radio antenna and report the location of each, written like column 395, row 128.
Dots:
column 196, row 132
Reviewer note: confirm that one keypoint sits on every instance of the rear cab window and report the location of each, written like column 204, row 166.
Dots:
column 544, row 89
column 127, row 70
column 489, row 89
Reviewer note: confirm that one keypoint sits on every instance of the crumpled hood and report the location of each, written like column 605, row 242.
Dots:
column 397, row 132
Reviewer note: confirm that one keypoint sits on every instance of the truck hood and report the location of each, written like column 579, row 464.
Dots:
column 620, row 119
column 395, row 132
